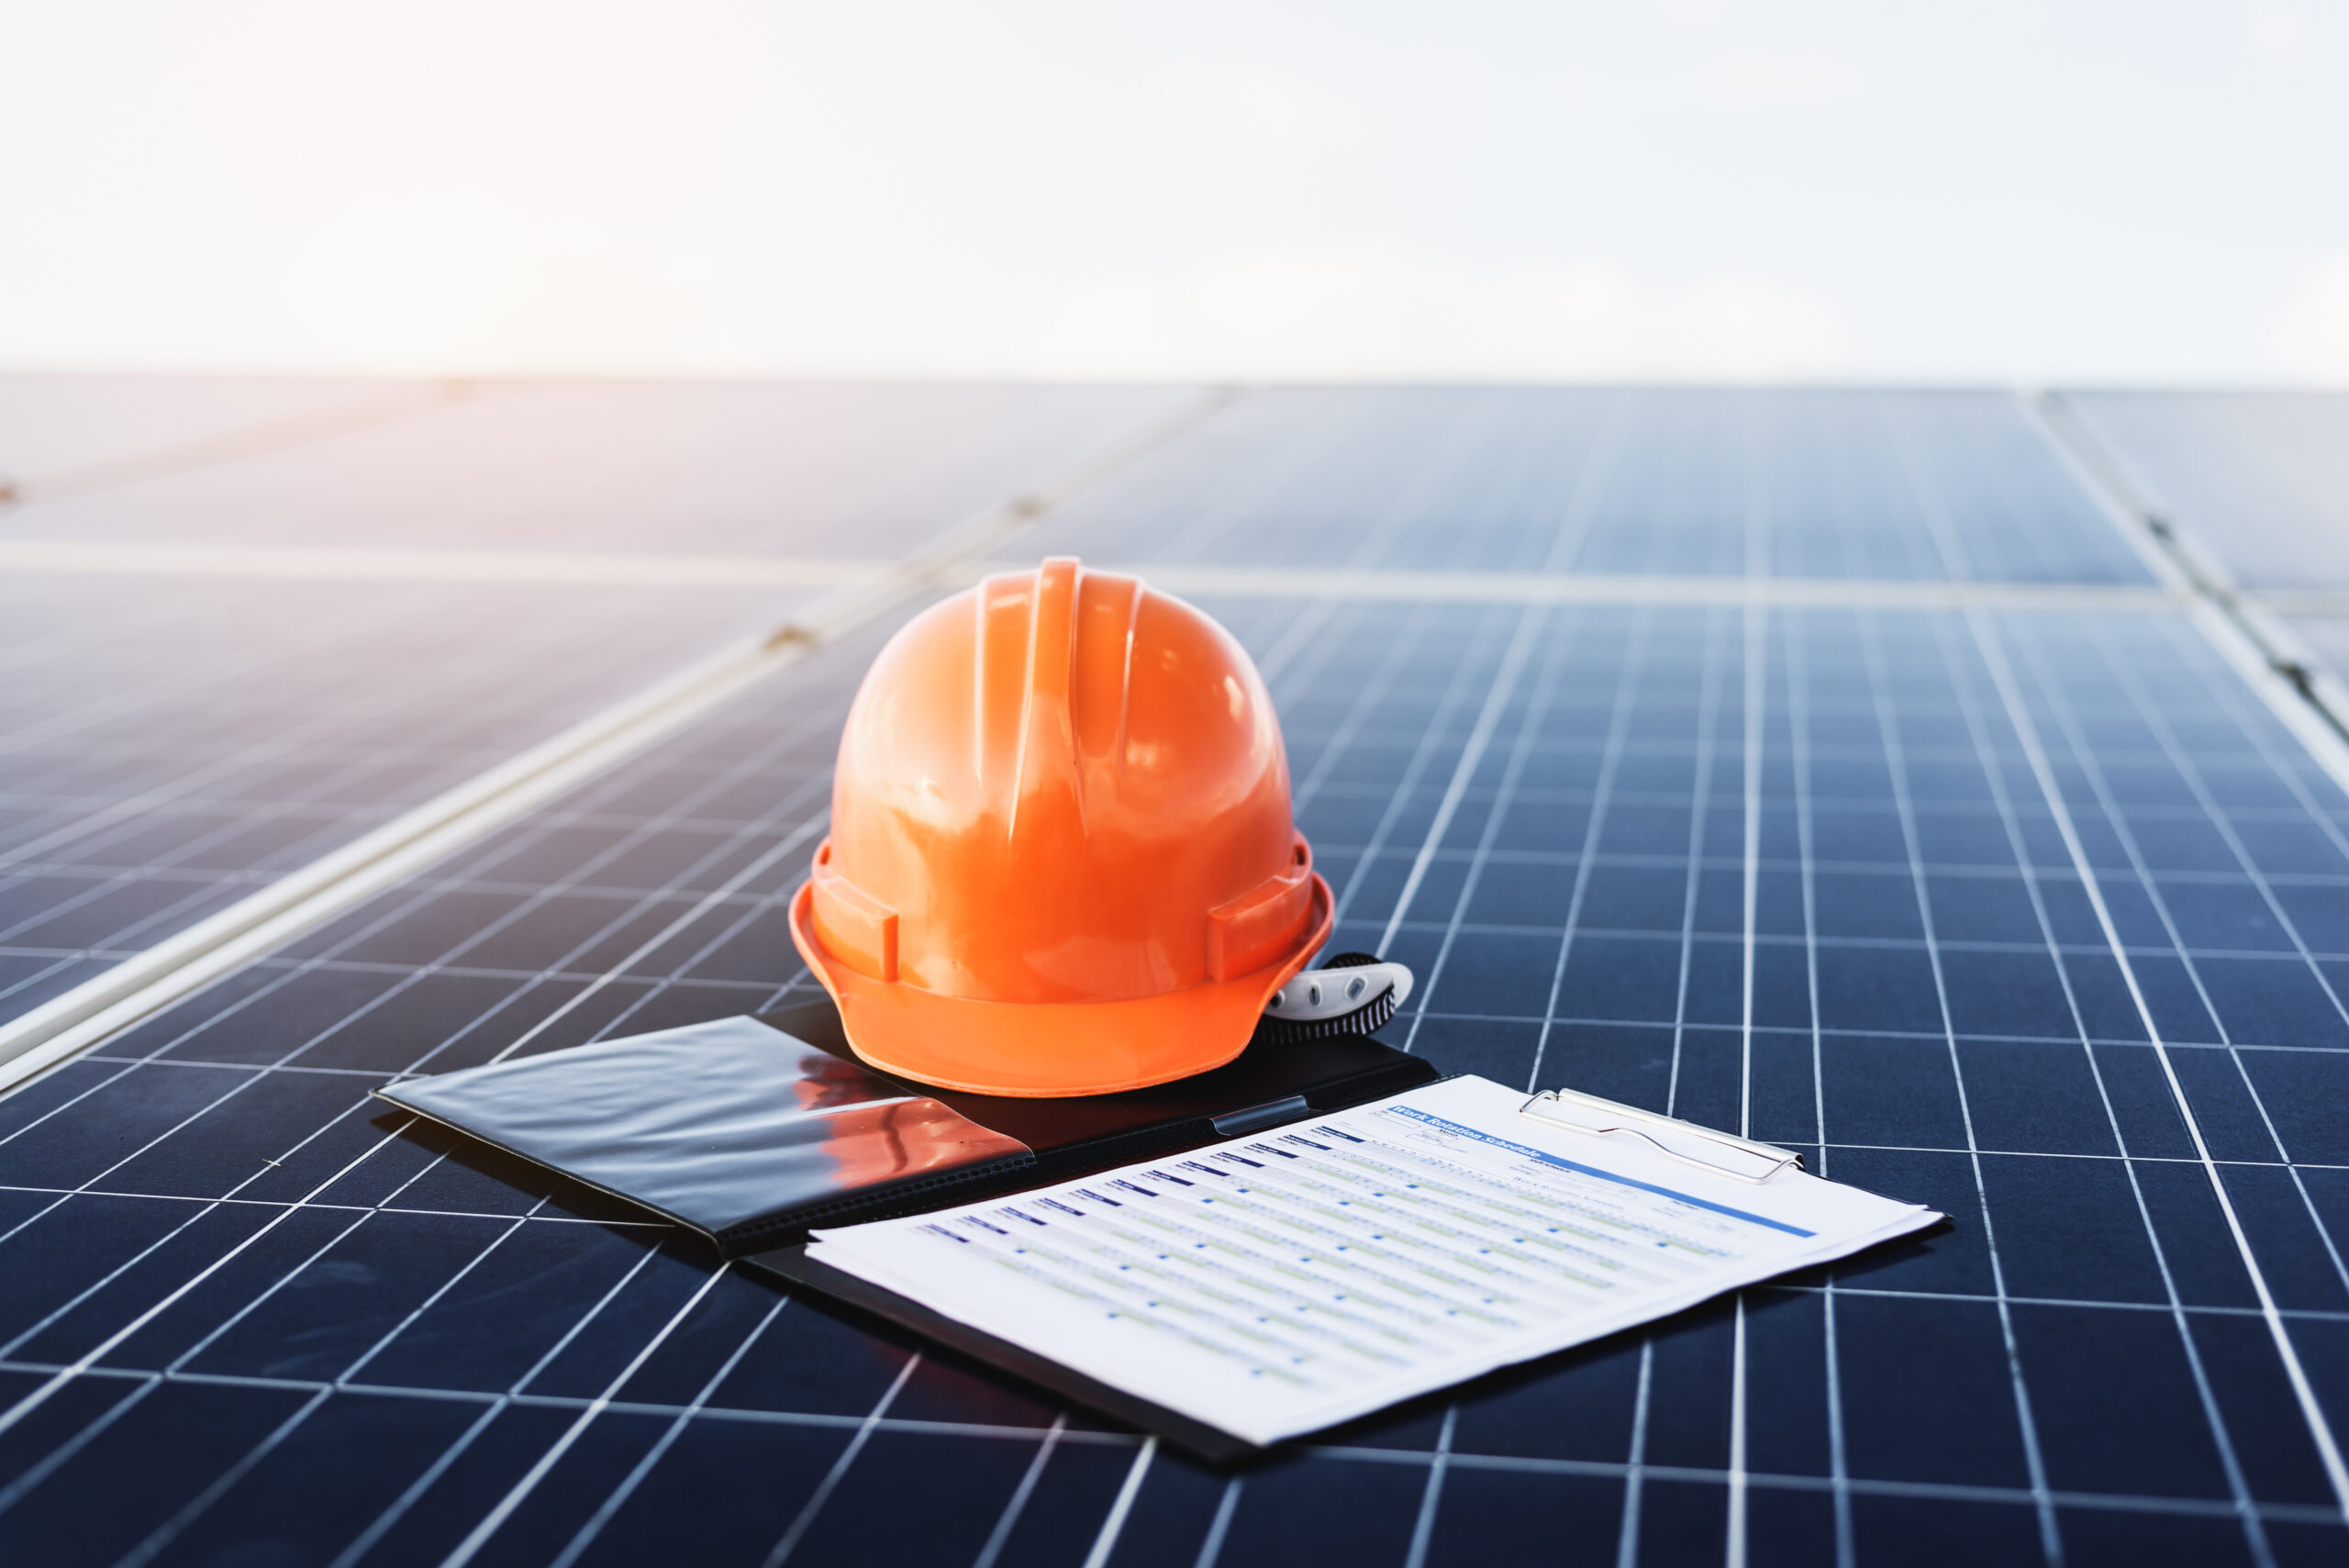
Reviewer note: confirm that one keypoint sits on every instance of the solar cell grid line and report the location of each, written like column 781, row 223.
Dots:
column 815, row 468
column 2312, row 1411
column 585, row 1535
column 748, row 764
column 1602, row 794
column 1532, row 625
column 1706, row 714
column 1797, row 718
column 1827, row 465
column 208, row 1341
column 1439, row 474
column 520, row 679
column 171, row 1528
column 470, row 1548
column 535, row 651
column 1520, row 750
column 782, row 1549
column 168, row 688
column 2190, row 770
column 389, row 1519
column 398, row 704
column 1203, row 524
column 1360, row 457
column 1247, row 1525
column 2050, row 1542
column 794, row 804
column 26, row 1406
column 1535, row 710
column 1311, row 485
column 160, row 689
column 2246, row 1507
column 1457, row 693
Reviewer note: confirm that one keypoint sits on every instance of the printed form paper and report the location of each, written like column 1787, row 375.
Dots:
column 1288, row 1280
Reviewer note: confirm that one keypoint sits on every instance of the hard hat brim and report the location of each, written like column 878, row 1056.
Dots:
column 1048, row 1050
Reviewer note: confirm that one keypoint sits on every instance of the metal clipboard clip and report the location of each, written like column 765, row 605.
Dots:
column 1741, row 1159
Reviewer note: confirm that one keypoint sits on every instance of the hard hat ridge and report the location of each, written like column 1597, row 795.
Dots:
column 1062, row 857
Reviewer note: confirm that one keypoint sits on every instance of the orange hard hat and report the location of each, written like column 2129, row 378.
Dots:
column 1062, row 859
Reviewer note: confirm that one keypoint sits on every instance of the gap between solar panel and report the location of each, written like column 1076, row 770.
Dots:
column 300, row 902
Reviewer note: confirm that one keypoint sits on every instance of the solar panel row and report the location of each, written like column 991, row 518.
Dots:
column 2039, row 916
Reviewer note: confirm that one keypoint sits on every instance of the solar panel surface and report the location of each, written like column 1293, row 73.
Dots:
column 1898, row 486
column 81, row 430
column 174, row 737
column 2038, row 917
column 2259, row 485
column 2260, row 480
column 868, row 472
column 168, row 744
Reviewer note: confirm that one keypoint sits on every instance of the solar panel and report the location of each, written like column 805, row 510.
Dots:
column 2260, row 479
column 1884, row 486
column 2039, row 916
column 873, row 472
column 174, row 742
column 169, row 744
column 2257, row 483
column 80, row 429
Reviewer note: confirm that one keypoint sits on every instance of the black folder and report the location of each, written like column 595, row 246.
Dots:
column 754, row 1130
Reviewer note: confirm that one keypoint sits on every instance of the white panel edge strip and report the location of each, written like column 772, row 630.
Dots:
column 692, row 571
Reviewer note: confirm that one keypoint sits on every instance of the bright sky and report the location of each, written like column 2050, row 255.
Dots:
column 1996, row 189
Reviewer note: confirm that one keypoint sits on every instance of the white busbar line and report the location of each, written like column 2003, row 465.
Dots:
column 557, row 568
column 308, row 897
